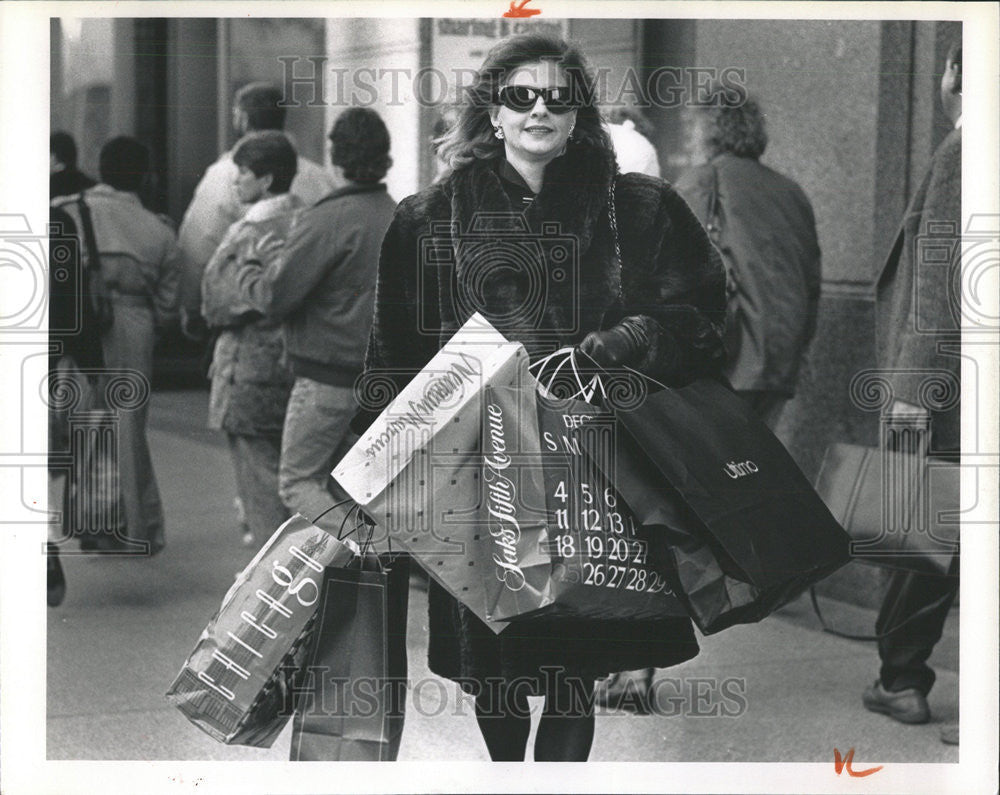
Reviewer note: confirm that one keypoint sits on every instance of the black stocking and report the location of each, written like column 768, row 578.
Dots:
column 566, row 729
column 505, row 723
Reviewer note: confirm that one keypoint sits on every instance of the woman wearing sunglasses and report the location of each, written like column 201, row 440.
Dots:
column 529, row 233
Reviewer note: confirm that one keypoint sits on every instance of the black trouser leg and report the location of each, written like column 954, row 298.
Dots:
column 913, row 614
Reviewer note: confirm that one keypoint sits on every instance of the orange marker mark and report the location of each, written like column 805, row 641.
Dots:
column 519, row 10
column 840, row 763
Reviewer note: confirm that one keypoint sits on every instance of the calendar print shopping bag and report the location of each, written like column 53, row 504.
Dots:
column 556, row 537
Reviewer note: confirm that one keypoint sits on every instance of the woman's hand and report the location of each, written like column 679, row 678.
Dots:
column 619, row 345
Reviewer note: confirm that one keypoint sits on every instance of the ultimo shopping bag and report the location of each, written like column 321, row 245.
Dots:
column 351, row 702
column 746, row 531
column 556, row 536
column 415, row 471
column 237, row 685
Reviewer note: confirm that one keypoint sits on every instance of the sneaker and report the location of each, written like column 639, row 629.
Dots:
column 627, row 690
column 906, row 706
column 247, row 538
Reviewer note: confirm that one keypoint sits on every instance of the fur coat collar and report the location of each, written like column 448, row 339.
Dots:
column 543, row 276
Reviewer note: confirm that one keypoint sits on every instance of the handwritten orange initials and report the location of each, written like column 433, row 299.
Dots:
column 519, row 10
column 840, row 763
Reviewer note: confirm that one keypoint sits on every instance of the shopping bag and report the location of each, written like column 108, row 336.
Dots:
column 351, row 702
column 238, row 682
column 93, row 505
column 745, row 530
column 901, row 510
column 556, row 537
column 415, row 471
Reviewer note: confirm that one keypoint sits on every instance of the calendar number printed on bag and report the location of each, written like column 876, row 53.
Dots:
column 591, row 529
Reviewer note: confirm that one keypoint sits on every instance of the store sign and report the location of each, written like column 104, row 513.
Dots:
column 459, row 46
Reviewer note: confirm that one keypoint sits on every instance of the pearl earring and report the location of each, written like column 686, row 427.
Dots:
column 498, row 132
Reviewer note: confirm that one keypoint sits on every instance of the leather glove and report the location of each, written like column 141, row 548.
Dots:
column 619, row 345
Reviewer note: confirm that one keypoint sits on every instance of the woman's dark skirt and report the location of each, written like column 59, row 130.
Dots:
column 464, row 649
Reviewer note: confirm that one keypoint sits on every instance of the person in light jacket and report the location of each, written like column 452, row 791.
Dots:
column 250, row 380
column 140, row 265
column 215, row 205
column 320, row 284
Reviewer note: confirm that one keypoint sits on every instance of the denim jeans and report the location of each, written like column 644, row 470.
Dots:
column 255, row 461
column 315, row 437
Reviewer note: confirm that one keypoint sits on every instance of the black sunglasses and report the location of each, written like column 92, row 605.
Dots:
column 523, row 98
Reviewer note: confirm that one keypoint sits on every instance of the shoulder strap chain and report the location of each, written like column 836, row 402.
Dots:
column 614, row 220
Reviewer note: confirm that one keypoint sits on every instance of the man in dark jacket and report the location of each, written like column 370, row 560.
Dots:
column 322, row 286
column 764, row 227
column 918, row 337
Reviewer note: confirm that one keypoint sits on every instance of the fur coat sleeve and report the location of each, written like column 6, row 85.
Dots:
column 672, row 274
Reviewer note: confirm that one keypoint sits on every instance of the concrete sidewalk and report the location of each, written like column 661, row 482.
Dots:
column 116, row 643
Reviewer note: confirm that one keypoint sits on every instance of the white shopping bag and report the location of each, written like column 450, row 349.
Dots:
column 416, row 470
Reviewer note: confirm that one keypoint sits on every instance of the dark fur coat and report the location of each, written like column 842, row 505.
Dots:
column 459, row 247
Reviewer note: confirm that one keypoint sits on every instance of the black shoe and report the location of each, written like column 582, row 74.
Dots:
column 906, row 706
column 628, row 690
column 56, row 579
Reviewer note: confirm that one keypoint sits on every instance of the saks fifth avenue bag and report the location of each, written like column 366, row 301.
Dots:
column 415, row 470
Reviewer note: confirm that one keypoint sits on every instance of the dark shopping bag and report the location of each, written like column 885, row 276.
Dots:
column 745, row 531
column 351, row 702
column 556, row 537
column 238, row 683
column 901, row 510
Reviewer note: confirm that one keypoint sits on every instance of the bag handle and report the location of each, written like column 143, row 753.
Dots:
column 584, row 391
column 332, row 507
column 879, row 636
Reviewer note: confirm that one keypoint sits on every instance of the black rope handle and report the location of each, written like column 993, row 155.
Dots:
column 340, row 532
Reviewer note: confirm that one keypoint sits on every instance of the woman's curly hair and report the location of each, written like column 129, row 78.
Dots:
column 360, row 145
column 736, row 128
column 471, row 137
